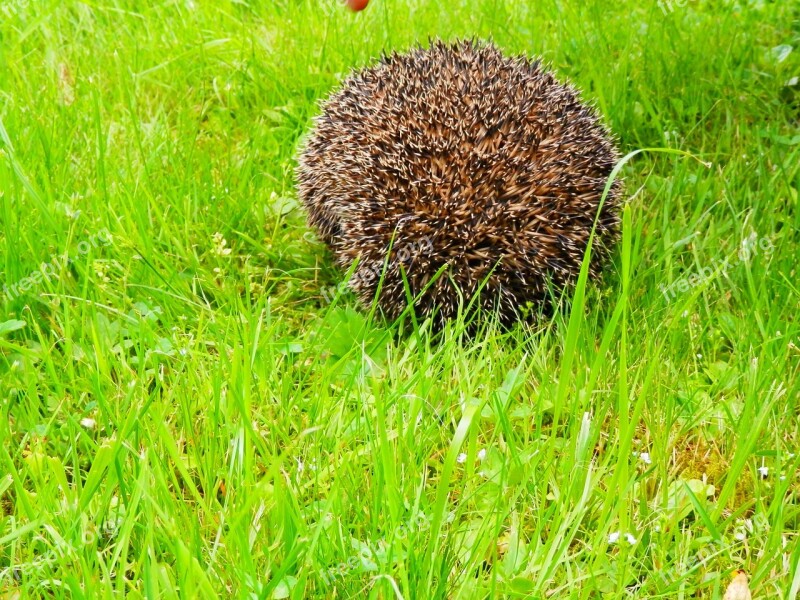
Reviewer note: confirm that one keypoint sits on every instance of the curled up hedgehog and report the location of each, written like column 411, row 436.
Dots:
column 459, row 175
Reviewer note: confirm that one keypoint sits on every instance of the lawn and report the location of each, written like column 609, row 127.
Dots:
column 191, row 408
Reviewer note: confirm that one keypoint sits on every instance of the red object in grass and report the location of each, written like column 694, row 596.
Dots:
column 356, row 5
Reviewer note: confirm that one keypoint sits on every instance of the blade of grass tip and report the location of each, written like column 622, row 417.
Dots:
column 392, row 583
column 386, row 458
column 288, row 566
column 174, row 292
column 410, row 303
column 560, row 542
column 612, row 461
column 579, row 296
column 475, row 298
column 443, row 489
column 123, row 542
column 178, row 461
column 11, row 155
column 704, row 516
column 748, row 434
column 622, row 389
column 605, row 344
column 334, row 300
column 106, row 454
column 578, row 301
column 20, row 531
column 100, row 141
column 316, row 533
column 191, row 573
column 794, row 591
column 133, row 420
column 8, row 462
column 373, row 309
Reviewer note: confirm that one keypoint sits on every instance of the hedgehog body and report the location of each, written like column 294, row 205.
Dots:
column 459, row 161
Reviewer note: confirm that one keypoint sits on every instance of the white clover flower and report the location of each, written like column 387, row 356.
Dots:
column 462, row 458
column 645, row 458
column 631, row 538
column 481, row 453
column 763, row 471
column 88, row 423
column 613, row 537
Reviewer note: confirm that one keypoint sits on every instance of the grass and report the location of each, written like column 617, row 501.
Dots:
column 183, row 415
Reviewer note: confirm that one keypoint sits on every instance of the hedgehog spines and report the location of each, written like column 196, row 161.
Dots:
column 489, row 160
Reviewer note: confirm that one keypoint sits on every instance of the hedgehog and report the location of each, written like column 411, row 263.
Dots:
column 454, row 175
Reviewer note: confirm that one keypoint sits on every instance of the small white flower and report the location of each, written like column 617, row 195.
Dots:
column 645, row 458
column 740, row 535
column 699, row 355
column 631, row 538
column 657, row 528
column 462, row 458
column 88, row 422
column 481, row 453
column 613, row 537
column 220, row 244
column 764, row 471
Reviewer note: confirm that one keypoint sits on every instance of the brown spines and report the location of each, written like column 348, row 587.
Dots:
column 457, row 155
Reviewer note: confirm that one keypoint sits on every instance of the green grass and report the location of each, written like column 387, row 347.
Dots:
column 183, row 415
